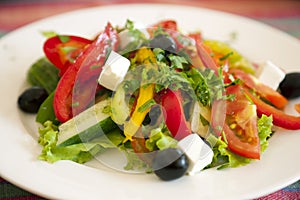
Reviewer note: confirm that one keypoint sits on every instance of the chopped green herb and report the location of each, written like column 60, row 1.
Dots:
column 224, row 137
column 177, row 62
column 107, row 109
column 159, row 54
column 74, row 104
column 94, row 66
column 148, row 104
column 204, row 121
column 129, row 24
column 68, row 49
column 49, row 34
column 64, row 38
column 226, row 56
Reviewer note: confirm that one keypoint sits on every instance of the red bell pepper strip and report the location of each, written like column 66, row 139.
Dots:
column 62, row 50
column 174, row 114
column 280, row 118
column 263, row 90
column 83, row 74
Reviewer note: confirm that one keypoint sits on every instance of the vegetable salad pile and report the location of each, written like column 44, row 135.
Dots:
column 176, row 85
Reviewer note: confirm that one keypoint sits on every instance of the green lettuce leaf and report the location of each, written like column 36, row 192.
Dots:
column 223, row 157
column 264, row 124
column 46, row 111
column 160, row 140
column 44, row 74
column 133, row 160
column 81, row 152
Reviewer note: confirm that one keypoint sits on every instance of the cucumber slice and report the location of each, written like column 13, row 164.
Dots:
column 119, row 108
column 85, row 120
column 103, row 127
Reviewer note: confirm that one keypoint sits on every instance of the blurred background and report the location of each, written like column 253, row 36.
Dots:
column 281, row 14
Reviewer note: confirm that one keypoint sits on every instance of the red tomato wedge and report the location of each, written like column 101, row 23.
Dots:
column 62, row 50
column 240, row 147
column 240, row 124
column 77, row 87
column 167, row 24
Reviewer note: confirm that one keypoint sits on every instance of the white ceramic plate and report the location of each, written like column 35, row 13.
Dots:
column 278, row 167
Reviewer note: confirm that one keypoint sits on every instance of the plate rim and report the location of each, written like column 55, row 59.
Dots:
column 12, row 33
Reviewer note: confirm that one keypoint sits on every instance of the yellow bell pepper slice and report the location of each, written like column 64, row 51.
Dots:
column 146, row 93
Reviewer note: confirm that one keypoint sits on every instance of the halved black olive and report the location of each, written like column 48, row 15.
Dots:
column 170, row 164
column 164, row 42
column 290, row 86
column 31, row 99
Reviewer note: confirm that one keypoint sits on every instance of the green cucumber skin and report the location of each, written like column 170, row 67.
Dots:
column 44, row 74
column 103, row 127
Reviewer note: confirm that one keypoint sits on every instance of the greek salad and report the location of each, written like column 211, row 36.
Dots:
column 174, row 103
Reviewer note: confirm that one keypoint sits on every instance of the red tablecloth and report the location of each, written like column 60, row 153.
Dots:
column 284, row 15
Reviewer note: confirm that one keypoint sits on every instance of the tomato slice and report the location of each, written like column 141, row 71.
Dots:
column 240, row 147
column 263, row 90
column 78, row 85
column 167, row 24
column 62, row 50
column 240, row 124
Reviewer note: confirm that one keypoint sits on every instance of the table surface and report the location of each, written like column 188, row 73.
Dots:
column 284, row 15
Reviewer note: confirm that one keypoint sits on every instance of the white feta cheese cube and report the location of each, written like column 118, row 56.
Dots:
column 114, row 71
column 198, row 152
column 270, row 75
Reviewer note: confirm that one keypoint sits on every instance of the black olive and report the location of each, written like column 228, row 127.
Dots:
column 290, row 86
column 31, row 99
column 152, row 116
column 170, row 164
column 163, row 42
